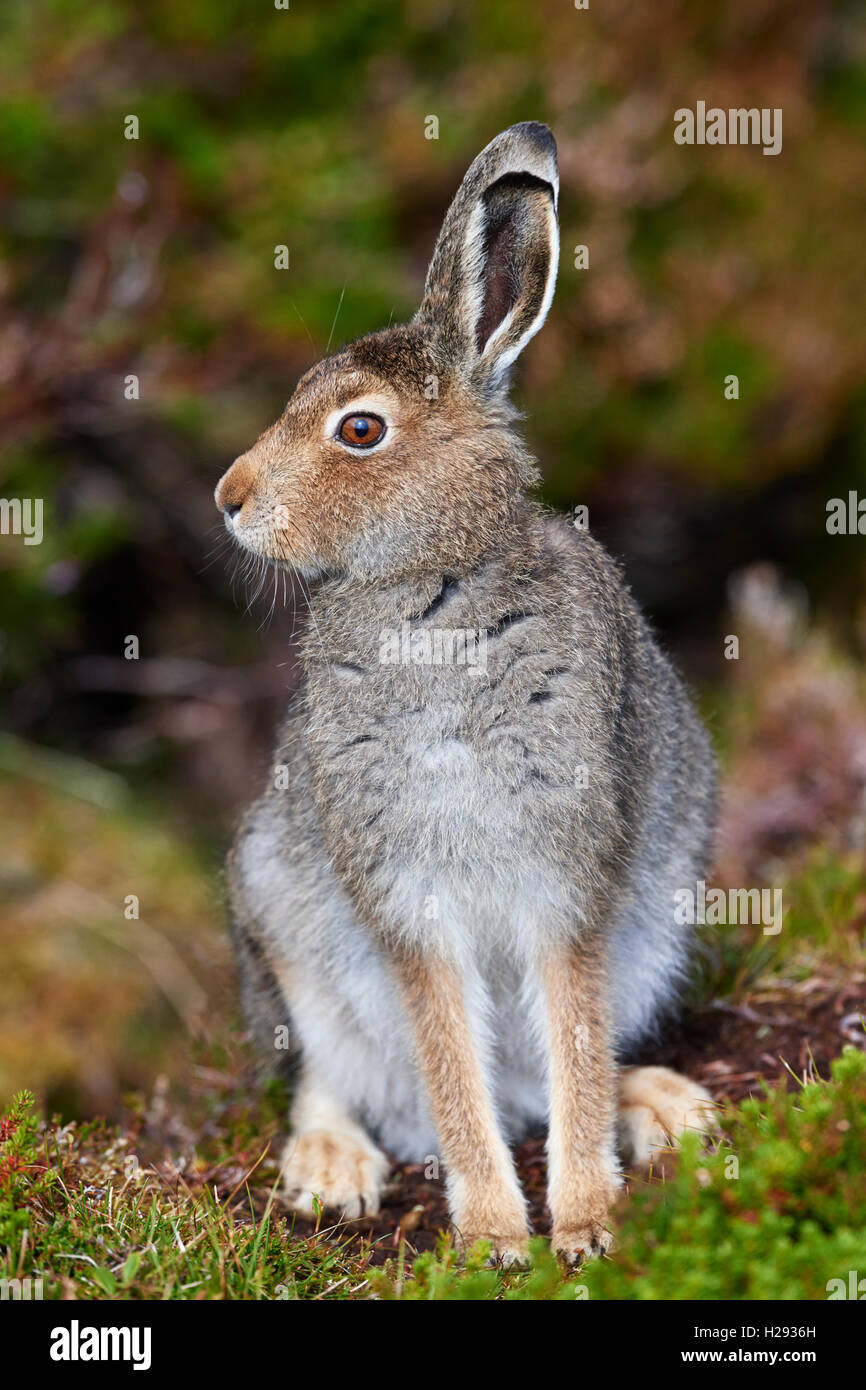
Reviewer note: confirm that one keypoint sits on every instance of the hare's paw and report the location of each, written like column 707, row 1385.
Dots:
column 345, row 1171
column 656, row 1105
column 508, row 1249
column 581, row 1242
column 497, row 1218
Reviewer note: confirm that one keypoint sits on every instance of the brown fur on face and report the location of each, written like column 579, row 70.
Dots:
column 443, row 484
column 434, row 494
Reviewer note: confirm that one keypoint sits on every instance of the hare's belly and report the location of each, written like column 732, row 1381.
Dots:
column 467, row 856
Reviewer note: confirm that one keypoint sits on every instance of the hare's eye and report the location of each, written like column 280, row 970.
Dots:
column 361, row 431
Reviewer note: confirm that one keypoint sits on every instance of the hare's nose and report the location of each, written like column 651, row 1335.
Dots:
column 233, row 488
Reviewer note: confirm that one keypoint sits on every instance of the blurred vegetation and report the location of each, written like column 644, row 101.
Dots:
column 776, row 1212
column 110, row 932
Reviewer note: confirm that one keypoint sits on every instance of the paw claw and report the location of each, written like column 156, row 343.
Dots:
column 509, row 1252
column 583, row 1242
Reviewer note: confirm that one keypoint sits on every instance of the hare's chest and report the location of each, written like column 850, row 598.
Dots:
column 451, row 820
column 466, row 855
column 437, row 769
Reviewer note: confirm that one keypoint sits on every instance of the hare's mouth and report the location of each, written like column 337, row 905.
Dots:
column 264, row 549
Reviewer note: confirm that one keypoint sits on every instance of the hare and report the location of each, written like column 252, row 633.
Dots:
column 457, row 890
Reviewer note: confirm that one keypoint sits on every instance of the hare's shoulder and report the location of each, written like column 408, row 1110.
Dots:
column 574, row 551
column 586, row 594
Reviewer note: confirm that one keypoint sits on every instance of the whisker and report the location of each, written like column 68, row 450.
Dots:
column 251, row 570
column 303, row 322
column 336, row 316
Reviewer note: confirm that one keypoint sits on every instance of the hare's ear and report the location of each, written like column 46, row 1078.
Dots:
column 493, row 271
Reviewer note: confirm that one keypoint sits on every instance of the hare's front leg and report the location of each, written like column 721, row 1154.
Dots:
column 483, row 1192
column 583, row 1174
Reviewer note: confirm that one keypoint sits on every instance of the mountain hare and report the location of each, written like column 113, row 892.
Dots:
column 458, row 889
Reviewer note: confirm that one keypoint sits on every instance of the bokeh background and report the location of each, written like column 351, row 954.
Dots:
column 306, row 127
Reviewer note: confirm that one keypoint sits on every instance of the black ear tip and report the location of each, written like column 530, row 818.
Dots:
column 537, row 134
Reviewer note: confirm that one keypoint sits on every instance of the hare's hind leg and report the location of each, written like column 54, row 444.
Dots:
column 330, row 1156
column 302, row 975
column 656, row 1106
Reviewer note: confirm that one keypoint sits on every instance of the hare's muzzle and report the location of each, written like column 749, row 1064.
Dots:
column 233, row 488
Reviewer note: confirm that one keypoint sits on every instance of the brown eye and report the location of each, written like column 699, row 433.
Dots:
column 361, row 431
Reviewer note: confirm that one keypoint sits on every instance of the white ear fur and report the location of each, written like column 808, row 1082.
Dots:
column 503, row 347
column 493, row 271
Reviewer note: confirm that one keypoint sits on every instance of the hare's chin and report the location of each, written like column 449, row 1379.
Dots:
column 305, row 569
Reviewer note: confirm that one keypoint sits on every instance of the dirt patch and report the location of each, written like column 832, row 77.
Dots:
column 730, row 1049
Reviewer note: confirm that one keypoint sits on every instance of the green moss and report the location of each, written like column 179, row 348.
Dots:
column 776, row 1212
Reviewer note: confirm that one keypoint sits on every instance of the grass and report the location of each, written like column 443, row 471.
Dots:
column 776, row 1208
column 776, row 1211
column 823, row 933
column 79, row 1212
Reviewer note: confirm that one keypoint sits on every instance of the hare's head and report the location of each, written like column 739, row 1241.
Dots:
column 395, row 456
